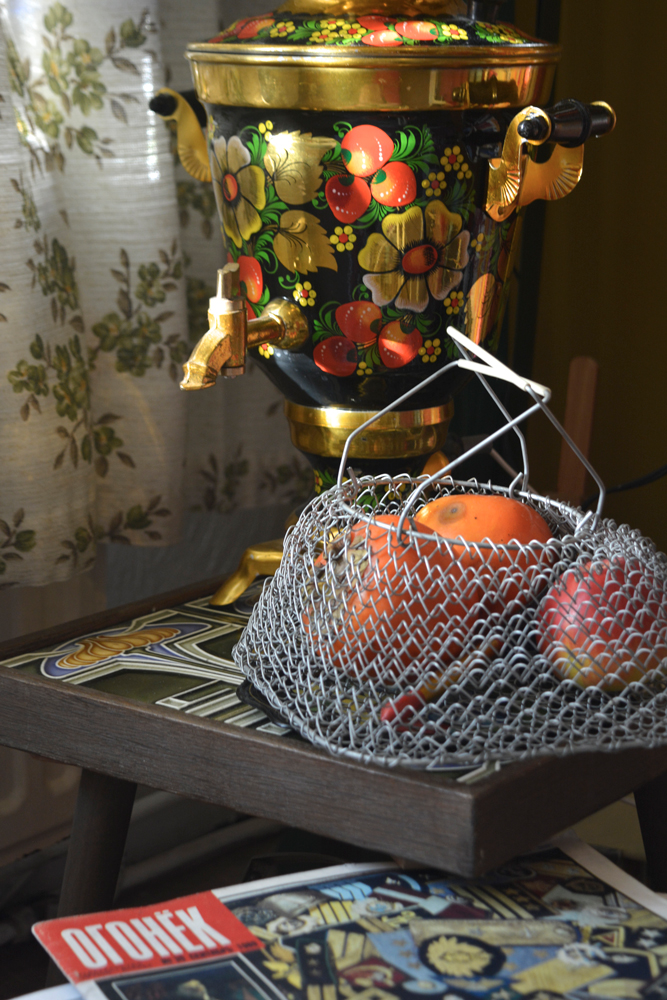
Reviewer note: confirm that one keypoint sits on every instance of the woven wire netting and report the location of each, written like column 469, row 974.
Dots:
column 430, row 652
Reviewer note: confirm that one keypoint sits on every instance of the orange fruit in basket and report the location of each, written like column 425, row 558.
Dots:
column 604, row 624
column 506, row 572
column 401, row 603
column 475, row 517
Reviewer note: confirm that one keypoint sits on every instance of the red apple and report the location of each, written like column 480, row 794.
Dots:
column 419, row 31
column 396, row 347
column 395, row 185
column 604, row 624
column 336, row 355
column 366, row 148
column 348, row 197
column 360, row 321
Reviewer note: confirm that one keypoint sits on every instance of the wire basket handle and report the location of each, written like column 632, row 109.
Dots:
column 486, row 366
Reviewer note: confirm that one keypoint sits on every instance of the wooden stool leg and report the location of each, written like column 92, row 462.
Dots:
column 101, row 819
column 651, row 802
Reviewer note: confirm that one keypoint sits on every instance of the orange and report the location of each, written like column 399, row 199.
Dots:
column 398, row 609
column 475, row 517
column 506, row 575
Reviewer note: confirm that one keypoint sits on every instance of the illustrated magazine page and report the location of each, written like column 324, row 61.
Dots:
column 542, row 927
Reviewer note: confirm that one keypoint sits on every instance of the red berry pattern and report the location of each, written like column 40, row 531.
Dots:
column 366, row 151
column 396, row 347
column 348, row 197
column 394, row 185
column 250, row 275
column 360, row 321
column 383, row 39
column 419, row 31
column 337, row 356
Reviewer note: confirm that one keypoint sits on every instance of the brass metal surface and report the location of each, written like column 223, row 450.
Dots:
column 409, row 8
column 285, row 323
column 324, row 431
column 507, row 172
column 555, row 178
column 515, row 179
column 301, row 78
column 190, row 141
column 262, row 559
column 222, row 349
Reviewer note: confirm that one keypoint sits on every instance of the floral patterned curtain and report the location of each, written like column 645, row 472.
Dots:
column 107, row 261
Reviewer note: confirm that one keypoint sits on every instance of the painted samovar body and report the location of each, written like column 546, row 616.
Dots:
column 369, row 170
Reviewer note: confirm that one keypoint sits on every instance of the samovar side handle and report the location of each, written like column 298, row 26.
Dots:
column 516, row 179
column 187, row 111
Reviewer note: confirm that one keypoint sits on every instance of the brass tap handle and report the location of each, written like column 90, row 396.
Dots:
column 223, row 347
column 515, row 179
column 222, row 351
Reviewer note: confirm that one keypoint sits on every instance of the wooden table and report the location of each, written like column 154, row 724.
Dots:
column 429, row 818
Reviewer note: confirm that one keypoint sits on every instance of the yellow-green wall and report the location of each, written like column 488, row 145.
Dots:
column 604, row 272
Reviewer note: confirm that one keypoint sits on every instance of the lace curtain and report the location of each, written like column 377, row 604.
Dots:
column 107, row 261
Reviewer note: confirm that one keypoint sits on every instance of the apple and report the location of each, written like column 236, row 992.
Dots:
column 604, row 624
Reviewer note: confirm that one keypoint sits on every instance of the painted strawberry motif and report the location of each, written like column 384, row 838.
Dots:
column 372, row 22
column 395, row 185
column 385, row 38
column 360, row 321
column 348, row 197
column 250, row 275
column 366, row 151
column 249, row 27
column 398, row 348
column 251, row 279
column 418, row 31
column 337, row 356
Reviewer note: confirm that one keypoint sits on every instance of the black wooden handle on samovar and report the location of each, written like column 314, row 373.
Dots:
column 572, row 123
column 165, row 103
column 517, row 178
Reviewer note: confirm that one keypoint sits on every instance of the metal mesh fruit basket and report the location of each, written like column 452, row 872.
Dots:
column 387, row 642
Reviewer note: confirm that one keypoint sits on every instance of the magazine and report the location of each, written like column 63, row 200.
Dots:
column 561, row 922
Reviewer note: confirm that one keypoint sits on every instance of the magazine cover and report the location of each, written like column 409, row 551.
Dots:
column 545, row 926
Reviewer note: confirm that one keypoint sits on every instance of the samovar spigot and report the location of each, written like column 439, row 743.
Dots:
column 222, row 350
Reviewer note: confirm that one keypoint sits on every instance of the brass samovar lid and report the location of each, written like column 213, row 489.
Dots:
column 318, row 55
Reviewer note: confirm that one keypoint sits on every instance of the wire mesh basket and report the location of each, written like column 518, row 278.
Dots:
column 390, row 636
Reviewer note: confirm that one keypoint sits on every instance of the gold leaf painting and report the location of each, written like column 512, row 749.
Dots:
column 301, row 244
column 292, row 161
column 481, row 308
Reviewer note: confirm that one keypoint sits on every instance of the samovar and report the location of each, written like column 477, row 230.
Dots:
column 370, row 163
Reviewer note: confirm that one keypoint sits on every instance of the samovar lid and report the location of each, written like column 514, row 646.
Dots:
column 334, row 55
